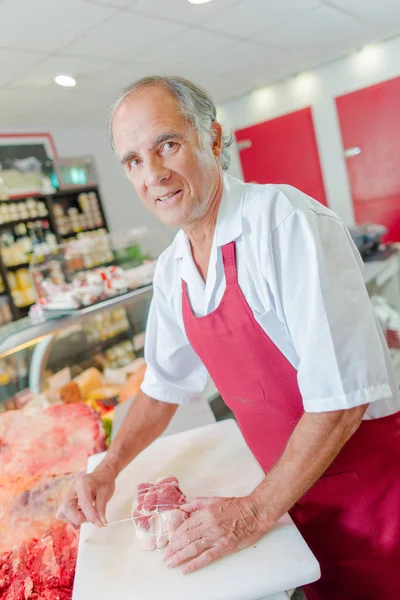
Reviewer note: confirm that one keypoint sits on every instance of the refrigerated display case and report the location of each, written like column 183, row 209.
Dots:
column 39, row 359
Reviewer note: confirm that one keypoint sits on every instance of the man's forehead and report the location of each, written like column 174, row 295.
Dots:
column 142, row 120
column 150, row 101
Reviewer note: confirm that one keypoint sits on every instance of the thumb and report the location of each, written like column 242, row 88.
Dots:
column 198, row 504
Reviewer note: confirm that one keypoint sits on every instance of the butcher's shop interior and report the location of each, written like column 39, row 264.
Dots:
column 199, row 299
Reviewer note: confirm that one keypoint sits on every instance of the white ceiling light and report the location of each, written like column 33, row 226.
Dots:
column 199, row 1
column 305, row 85
column 369, row 57
column 65, row 80
column 262, row 100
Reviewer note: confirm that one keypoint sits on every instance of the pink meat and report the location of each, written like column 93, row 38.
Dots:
column 40, row 453
column 157, row 513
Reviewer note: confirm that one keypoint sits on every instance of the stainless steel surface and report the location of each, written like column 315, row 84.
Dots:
column 23, row 333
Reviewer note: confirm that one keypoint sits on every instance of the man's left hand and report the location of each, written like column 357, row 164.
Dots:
column 215, row 528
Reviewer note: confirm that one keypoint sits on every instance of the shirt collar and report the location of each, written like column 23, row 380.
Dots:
column 229, row 221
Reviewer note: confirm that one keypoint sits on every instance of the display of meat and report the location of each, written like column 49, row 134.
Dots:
column 157, row 513
column 54, row 440
column 40, row 454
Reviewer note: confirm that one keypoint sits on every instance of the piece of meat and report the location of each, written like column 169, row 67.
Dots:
column 157, row 513
column 40, row 453
column 41, row 568
column 55, row 440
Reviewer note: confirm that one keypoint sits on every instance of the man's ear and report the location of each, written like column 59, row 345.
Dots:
column 216, row 134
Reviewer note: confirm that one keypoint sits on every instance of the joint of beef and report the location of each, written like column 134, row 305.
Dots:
column 158, row 513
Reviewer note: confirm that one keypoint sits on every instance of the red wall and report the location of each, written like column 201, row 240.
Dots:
column 283, row 150
column 370, row 119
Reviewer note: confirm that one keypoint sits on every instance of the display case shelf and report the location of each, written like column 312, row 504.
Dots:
column 24, row 265
column 19, row 221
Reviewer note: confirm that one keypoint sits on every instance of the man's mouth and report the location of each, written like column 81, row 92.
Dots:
column 168, row 196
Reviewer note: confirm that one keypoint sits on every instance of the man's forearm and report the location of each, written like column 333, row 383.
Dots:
column 313, row 445
column 146, row 420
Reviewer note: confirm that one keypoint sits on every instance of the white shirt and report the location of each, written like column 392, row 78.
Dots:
column 301, row 275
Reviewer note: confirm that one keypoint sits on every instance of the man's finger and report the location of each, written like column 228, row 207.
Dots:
column 86, row 502
column 70, row 513
column 198, row 503
column 102, row 497
column 179, row 541
column 206, row 558
column 186, row 553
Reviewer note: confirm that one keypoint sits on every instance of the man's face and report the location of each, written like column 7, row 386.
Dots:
column 162, row 154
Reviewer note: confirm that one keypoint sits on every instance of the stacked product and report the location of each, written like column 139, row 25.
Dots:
column 74, row 220
column 20, row 210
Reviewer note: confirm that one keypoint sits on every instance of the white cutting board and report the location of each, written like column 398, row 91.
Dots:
column 208, row 461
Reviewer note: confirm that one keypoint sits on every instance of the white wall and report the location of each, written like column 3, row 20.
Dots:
column 122, row 206
column 318, row 89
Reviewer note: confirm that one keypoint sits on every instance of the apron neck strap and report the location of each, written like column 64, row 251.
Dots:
column 229, row 260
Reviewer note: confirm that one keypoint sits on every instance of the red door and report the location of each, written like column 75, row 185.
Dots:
column 370, row 126
column 283, row 150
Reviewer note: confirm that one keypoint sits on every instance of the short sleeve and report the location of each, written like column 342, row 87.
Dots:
column 174, row 372
column 316, row 274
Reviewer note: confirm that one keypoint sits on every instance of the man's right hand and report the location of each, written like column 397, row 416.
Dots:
column 87, row 498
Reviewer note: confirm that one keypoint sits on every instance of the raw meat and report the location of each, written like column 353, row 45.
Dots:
column 55, row 440
column 41, row 569
column 157, row 513
column 40, row 454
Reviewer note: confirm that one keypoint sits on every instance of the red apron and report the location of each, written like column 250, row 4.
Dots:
column 351, row 517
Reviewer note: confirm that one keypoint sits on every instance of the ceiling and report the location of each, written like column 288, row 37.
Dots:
column 228, row 46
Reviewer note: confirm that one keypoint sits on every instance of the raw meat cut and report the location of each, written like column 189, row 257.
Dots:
column 55, row 440
column 40, row 568
column 157, row 513
column 40, row 454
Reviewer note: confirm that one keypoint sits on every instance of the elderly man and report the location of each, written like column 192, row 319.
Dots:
column 261, row 288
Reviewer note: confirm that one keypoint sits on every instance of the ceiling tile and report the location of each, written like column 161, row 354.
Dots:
column 15, row 104
column 181, row 10
column 316, row 29
column 112, row 3
column 253, row 16
column 245, row 55
column 47, row 25
column 42, row 75
column 14, row 63
column 192, row 46
column 123, row 37
column 382, row 12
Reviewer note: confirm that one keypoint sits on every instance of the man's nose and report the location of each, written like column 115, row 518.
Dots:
column 156, row 173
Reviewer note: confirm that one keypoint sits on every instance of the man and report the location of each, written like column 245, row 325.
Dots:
column 263, row 288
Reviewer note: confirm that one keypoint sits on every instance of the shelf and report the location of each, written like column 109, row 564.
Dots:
column 26, row 307
column 74, row 234
column 81, row 190
column 24, row 333
column 100, row 266
column 24, row 265
column 30, row 220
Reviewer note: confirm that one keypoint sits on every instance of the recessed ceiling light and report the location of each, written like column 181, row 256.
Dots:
column 65, row 80
column 199, row 1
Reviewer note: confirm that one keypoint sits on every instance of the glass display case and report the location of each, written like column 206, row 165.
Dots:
column 91, row 269
column 87, row 356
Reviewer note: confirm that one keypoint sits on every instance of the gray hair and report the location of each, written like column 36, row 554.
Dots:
column 195, row 105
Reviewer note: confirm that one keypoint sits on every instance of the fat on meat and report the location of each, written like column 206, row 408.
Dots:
column 158, row 513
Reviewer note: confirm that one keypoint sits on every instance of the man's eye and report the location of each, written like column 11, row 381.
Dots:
column 135, row 162
column 169, row 146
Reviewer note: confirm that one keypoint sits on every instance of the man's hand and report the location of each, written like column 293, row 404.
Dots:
column 87, row 498
column 216, row 528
